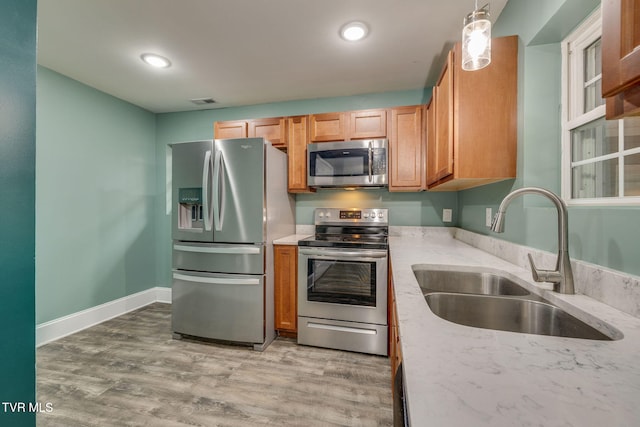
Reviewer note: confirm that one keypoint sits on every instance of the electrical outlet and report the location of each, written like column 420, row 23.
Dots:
column 488, row 217
column 447, row 215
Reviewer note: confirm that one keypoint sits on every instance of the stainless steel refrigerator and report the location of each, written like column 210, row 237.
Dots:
column 230, row 202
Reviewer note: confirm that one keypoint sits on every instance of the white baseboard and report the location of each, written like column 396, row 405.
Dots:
column 67, row 325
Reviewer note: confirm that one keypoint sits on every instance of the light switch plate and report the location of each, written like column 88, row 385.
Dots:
column 488, row 217
column 447, row 215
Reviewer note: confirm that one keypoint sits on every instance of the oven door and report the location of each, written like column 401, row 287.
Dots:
column 343, row 284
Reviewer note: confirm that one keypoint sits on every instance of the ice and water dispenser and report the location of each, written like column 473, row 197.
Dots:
column 190, row 213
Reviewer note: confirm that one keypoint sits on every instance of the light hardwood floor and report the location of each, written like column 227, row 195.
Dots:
column 130, row 372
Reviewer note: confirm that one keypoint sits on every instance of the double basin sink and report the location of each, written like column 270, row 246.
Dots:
column 492, row 301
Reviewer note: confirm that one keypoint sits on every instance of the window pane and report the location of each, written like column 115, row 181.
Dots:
column 598, row 179
column 593, row 95
column 632, row 175
column 631, row 132
column 594, row 139
column 592, row 76
column 592, row 61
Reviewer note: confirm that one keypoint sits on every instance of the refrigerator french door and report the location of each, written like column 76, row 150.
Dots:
column 222, row 286
column 218, row 191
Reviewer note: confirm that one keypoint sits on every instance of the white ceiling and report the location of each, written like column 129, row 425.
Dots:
column 243, row 52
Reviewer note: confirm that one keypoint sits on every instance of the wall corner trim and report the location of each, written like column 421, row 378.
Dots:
column 75, row 322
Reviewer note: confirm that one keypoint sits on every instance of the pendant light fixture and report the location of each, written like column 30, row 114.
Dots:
column 476, row 39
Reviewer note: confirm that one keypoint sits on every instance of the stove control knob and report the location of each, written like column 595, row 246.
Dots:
column 380, row 215
column 328, row 214
column 366, row 214
column 321, row 214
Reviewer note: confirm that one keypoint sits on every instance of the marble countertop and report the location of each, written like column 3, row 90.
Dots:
column 457, row 375
column 291, row 240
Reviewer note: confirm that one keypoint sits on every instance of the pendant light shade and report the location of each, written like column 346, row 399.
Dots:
column 476, row 39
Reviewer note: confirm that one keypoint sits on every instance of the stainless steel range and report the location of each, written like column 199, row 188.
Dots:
column 342, row 281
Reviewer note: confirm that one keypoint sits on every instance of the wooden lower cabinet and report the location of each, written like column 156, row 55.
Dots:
column 395, row 351
column 285, row 258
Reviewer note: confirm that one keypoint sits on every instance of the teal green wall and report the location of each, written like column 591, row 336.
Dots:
column 96, row 194
column 103, row 228
column 424, row 209
column 407, row 208
column 17, row 198
column 605, row 236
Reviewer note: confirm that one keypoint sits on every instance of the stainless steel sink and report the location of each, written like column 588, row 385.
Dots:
column 510, row 314
column 465, row 282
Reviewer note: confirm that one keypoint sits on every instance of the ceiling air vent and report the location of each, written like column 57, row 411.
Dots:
column 203, row 101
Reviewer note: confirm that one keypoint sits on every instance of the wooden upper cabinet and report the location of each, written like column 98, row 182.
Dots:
column 230, row 129
column 368, row 124
column 298, row 137
column 476, row 120
column 327, row 127
column 345, row 126
column 430, row 134
column 441, row 148
column 273, row 129
column 621, row 57
column 406, row 149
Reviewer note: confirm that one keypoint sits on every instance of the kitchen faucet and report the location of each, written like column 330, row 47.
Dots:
column 562, row 276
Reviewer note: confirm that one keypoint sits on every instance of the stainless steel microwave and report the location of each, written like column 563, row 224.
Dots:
column 360, row 163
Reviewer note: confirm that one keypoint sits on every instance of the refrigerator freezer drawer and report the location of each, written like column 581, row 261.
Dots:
column 219, row 258
column 218, row 306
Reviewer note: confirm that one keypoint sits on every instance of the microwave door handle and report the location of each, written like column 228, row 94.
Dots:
column 206, row 171
column 370, row 162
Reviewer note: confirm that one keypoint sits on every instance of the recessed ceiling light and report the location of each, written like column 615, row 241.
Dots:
column 354, row 31
column 155, row 60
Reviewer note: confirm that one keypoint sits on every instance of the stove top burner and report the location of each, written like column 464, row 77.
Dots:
column 352, row 228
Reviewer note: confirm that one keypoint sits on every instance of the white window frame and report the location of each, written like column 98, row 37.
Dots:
column 572, row 103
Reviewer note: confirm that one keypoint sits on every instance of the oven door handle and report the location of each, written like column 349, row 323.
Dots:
column 344, row 254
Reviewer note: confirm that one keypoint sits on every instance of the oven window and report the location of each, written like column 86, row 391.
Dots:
column 342, row 282
column 350, row 162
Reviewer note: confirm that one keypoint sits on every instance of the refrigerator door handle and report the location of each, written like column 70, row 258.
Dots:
column 243, row 250
column 218, row 182
column 216, row 280
column 206, row 170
